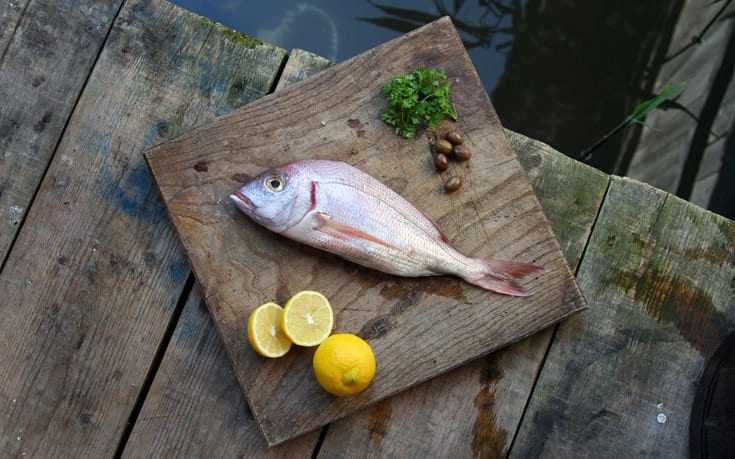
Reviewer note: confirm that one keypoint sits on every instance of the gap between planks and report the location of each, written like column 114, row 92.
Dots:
column 324, row 430
column 66, row 122
column 75, row 101
column 537, row 376
column 170, row 328
column 707, row 117
column 15, row 30
column 155, row 364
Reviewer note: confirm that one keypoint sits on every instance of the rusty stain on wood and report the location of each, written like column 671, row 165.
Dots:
column 241, row 177
column 201, row 166
column 488, row 440
column 677, row 301
column 656, row 315
column 357, row 126
column 379, row 419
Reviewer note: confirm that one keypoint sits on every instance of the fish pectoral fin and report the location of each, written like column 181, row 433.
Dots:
column 326, row 224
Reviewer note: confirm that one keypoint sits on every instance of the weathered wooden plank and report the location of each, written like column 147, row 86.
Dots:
column 719, row 144
column 721, row 128
column 45, row 57
column 667, row 138
column 658, row 274
column 335, row 115
column 711, row 432
column 300, row 66
column 94, row 275
column 571, row 211
column 570, row 193
column 10, row 14
column 475, row 410
column 722, row 198
column 703, row 190
column 195, row 405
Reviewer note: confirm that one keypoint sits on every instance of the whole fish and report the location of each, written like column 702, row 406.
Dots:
column 335, row 207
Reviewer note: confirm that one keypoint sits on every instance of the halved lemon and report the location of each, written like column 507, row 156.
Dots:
column 307, row 318
column 264, row 331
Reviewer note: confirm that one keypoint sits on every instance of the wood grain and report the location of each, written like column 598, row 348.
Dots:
column 703, row 189
column 658, row 274
column 239, row 265
column 95, row 273
column 46, row 53
column 10, row 14
column 711, row 430
column 474, row 411
column 300, row 66
column 195, row 405
column 667, row 138
column 705, row 192
column 429, row 418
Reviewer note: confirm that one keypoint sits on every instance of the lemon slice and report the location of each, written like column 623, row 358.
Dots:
column 264, row 331
column 307, row 318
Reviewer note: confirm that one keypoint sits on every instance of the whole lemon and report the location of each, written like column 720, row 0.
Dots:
column 344, row 364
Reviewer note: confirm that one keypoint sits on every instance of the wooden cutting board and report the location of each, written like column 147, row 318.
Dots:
column 418, row 328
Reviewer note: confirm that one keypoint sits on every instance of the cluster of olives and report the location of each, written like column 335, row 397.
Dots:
column 452, row 145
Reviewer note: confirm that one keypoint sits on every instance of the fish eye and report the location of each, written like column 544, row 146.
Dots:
column 275, row 183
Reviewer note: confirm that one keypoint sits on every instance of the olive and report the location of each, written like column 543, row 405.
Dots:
column 453, row 184
column 462, row 153
column 442, row 146
column 454, row 137
column 441, row 162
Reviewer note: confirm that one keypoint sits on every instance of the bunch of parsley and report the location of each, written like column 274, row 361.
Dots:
column 416, row 99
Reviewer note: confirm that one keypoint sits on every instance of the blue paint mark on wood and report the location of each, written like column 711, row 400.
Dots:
column 134, row 193
column 223, row 110
column 178, row 270
column 150, row 137
column 159, row 132
column 105, row 144
column 191, row 326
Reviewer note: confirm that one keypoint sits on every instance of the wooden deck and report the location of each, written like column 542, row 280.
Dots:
column 683, row 149
column 107, row 345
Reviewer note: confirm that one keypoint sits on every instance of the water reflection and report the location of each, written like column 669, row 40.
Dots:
column 477, row 27
column 290, row 28
column 575, row 69
column 565, row 71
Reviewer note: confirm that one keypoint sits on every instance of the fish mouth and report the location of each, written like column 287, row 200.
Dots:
column 242, row 202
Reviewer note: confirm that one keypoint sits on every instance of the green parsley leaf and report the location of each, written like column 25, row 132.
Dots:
column 421, row 98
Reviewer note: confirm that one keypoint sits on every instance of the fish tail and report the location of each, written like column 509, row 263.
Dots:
column 498, row 275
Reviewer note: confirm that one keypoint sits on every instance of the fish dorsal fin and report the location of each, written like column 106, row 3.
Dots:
column 326, row 224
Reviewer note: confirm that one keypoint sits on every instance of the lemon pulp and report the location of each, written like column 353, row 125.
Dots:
column 307, row 318
column 264, row 332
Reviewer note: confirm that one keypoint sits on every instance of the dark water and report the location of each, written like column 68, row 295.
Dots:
column 561, row 71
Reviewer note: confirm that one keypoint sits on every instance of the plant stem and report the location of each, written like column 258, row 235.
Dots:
column 586, row 154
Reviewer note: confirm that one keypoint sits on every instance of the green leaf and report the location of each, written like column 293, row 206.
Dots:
column 421, row 98
column 669, row 92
